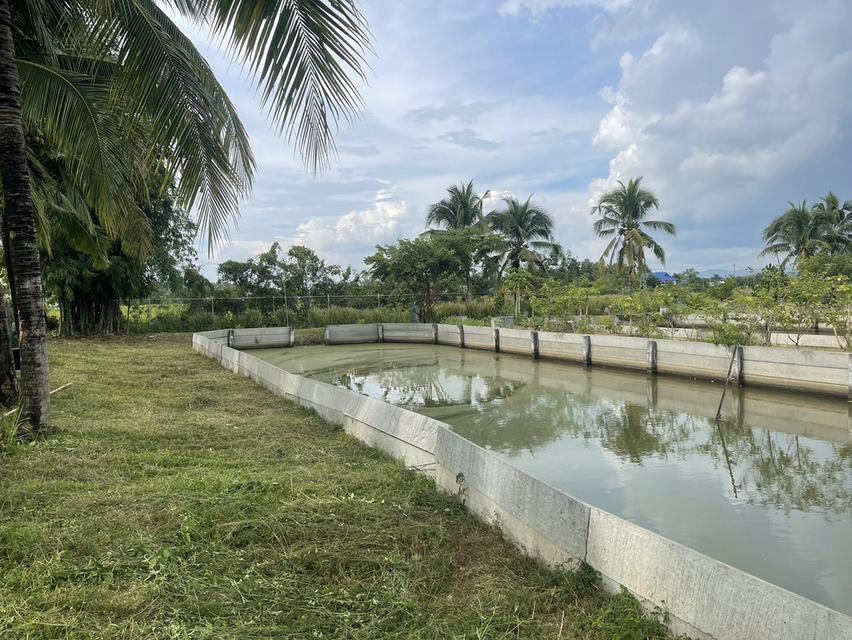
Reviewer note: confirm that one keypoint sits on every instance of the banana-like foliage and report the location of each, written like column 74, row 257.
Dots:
column 121, row 94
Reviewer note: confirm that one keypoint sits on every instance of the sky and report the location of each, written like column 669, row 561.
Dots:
column 727, row 108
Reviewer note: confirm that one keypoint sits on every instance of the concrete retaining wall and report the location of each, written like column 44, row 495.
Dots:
column 703, row 598
column 820, row 371
column 562, row 346
column 480, row 338
column 620, row 351
column 352, row 333
column 450, row 334
column 267, row 337
column 408, row 332
column 693, row 359
column 522, row 341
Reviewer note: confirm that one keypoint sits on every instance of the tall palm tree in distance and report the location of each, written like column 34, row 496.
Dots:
column 624, row 220
column 460, row 209
column 121, row 93
column 837, row 218
column 526, row 229
column 798, row 234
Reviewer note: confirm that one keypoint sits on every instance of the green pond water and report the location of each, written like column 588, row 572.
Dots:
column 767, row 490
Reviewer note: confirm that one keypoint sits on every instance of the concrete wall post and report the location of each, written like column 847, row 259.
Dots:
column 849, row 396
column 496, row 340
column 380, row 332
column 461, row 336
column 292, row 337
column 230, row 337
column 652, row 357
column 535, row 346
column 326, row 335
column 434, row 333
column 587, row 349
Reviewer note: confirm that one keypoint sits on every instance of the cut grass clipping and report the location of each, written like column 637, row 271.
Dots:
column 176, row 500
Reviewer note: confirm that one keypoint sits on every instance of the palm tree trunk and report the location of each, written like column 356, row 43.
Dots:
column 4, row 229
column 23, row 242
column 8, row 388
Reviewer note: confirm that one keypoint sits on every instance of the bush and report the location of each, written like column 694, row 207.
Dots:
column 201, row 321
column 251, row 318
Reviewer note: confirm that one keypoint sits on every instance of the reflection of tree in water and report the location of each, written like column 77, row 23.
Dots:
column 635, row 432
column 779, row 470
column 762, row 466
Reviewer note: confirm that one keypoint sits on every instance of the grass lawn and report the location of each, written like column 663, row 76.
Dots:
column 176, row 500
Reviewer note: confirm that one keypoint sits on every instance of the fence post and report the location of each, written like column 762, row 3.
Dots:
column 434, row 333
column 461, row 336
column 535, row 344
column 496, row 340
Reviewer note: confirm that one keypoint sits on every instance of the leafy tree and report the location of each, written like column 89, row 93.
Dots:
column 299, row 272
column 797, row 234
column 560, row 302
column 90, row 285
column 526, row 229
column 623, row 218
column 422, row 266
column 118, row 89
column 520, row 283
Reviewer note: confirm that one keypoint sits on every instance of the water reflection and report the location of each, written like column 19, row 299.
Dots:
column 767, row 489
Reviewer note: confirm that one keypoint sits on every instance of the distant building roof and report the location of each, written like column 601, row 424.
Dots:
column 663, row 277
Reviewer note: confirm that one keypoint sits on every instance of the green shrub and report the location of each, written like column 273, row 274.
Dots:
column 251, row 318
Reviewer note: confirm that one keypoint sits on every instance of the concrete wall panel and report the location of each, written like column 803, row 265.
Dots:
column 693, row 359
column 516, row 341
column 351, row 333
column 820, row 371
column 549, row 517
column 407, row 332
column 705, row 594
column 620, row 351
column 449, row 334
column 479, row 338
column 265, row 337
column 560, row 346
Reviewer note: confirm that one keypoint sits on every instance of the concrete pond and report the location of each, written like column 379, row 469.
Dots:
column 767, row 490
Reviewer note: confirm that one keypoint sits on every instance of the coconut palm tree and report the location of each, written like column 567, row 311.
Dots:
column 797, row 234
column 120, row 91
column 837, row 217
column 526, row 229
column 624, row 219
column 460, row 209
